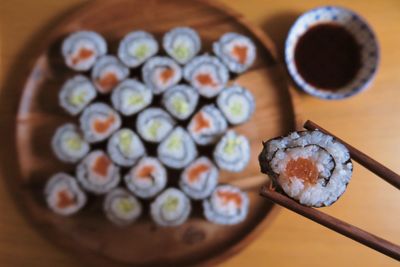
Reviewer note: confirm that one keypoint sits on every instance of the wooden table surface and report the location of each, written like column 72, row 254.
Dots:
column 369, row 121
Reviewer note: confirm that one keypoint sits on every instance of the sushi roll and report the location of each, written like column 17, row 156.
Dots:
column 180, row 101
column 170, row 208
column 136, row 47
column 227, row 205
column 207, row 74
column 81, row 49
column 121, row 207
column 207, row 125
column 125, row 147
column 177, row 150
column 76, row 94
column 161, row 73
column 153, row 124
column 98, row 121
column 236, row 103
column 199, row 179
column 237, row 51
column 63, row 195
column 147, row 178
column 182, row 44
column 309, row 166
column 97, row 174
column 107, row 73
column 68, row 144
column 130, row 97
column 232, row 153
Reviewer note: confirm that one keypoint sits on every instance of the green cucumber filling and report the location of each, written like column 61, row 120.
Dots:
column 78, row 98
column 125, row 142
column 125, row 205
column 74, row 143
column 231, row 145
column 171, row 204
column 180, row 105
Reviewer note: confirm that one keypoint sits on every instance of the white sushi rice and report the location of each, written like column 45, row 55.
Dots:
column 182, row 44
column 153, row 124
column 180, row 101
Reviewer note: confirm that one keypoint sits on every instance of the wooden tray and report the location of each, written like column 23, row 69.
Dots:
column 143, row 244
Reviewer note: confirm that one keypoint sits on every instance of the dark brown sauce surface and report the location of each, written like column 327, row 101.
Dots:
column 327, row 56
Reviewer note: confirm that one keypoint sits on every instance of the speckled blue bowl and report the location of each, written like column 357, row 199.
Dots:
column 356, row 26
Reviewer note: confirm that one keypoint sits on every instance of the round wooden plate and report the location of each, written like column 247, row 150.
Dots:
column 143, row 244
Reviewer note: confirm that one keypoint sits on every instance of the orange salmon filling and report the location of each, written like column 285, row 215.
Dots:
column 205, row 79
column 101, row 165
column 240, row 52
column 227, row 197
column 108, row 81
column 101, row 126
column 64, row 200
column 201, row 122
column 146, row 171
column 194, row 173
column 166, row 75
column 83, row 54
column 302, row 168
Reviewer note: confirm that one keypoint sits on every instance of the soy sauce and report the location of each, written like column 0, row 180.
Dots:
column 327, row 56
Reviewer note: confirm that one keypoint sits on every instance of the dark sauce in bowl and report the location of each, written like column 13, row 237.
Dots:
column 328, row 56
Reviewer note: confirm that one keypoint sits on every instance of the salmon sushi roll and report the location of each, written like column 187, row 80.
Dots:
column 98, row 122
column 227, row 205
column 76, row 94
column 107, row 73
column 136, row 47
column 170, row 208
column 147, row 178
column 237, row 51
column 81, row 49
column 182, row 44
column 121, row 207
column 199, row 179
column 160, row 73
column 97, row 174
column 180, row 101
column 311, row 167
column 153, row 124
column 63, row 195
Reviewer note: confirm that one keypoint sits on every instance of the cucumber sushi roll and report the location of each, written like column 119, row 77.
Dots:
column 136, row 47
column 98, row 121
column 147, row 178
column 76, row 94
column 161, row 73
column 130, row 97
column 237, row 51
column 107, row 73
column 180, row 101
column 199, row 179
column 170, row 208
column 177, row 150
column 236, row 103
column 153, row 124
column 309, row 166
column 63, row 195
column 227, row 205
column 97, row 174
column 232, row 153
column 125, row 147
column 207, row 74
column 81, row 49
column 207, row 125
column 68, row 144
column 182, row 44
column 121, row 207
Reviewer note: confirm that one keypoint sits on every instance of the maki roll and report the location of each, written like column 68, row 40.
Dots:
column 68, row 143
column 227, row 205
column 125, row 147
column 181, row 101
column 161, row 73
column 76, row 94
column 130, row 97
column 207, row 125
column 81, row 49
column 311, row 167
column 107, row 73
column 207, row 74
column 237, row 51
column 177, row 150
column 232, row 153
column 98, row 121
column 170, row 208
column 63, row 195
column 121, row 207
column 153, row 124
column 147, row 178
column 136, row 47
column 199, row 179
column 97, row 174
column 236, row 103
column 182, row 44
